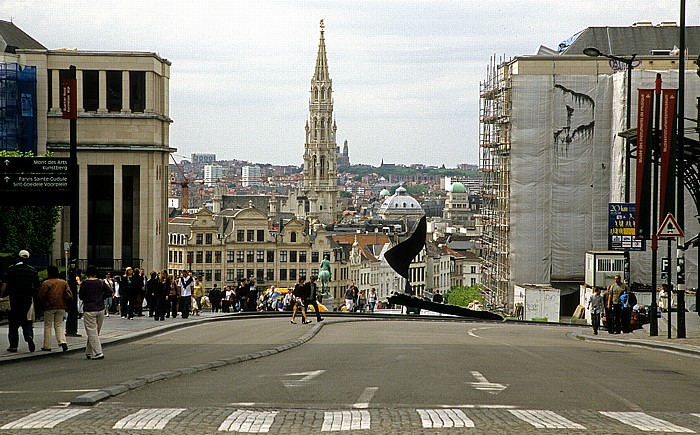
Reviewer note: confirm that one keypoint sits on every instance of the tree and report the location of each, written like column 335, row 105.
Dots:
column 27, row 227
column 462, row 296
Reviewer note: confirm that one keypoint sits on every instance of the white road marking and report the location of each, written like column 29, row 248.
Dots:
column 545, row 419
column 439, row 418
column 44, row 419
column 483, row 384
column 249, row 421
column 471, row 333
column 479, row 406
column 148, row 418
column 345, row 420
column 365, row 398
column 307, row 376
column 645, row 422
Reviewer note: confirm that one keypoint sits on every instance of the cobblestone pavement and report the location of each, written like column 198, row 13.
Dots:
column 116, row 417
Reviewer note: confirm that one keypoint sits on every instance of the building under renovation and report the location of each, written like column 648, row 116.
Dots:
column 552, row 159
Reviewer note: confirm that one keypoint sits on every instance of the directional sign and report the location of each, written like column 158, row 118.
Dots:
column 669, row 228
column 483, row 384
column 306, row 377
column 34, row 181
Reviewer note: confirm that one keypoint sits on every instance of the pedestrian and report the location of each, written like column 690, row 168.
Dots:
column 626, row 300
column 348, row 297
column 21, row 282
column 173, row 297
column 117, row 294
column 361, row 301
column 197, row 295
column 215, row 299
column 228, row 300
column 93, row 292
column 127, row 288
column 160, row 295
column 312, row 297
column 185, row 285
column 299, row 293
column 595, row 306
column 615, row 291
column 372, row 299
column 241, row 295
column 108, row 301
column 663, row 298
column 437, row 297
column 55, row 297
column 151, row 293
column 141, row 280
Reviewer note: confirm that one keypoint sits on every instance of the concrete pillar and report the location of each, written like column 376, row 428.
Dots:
column 83, row 211
column 150, row 92
column 118, row 198
column 126, row 90
column 56, row 92
column 79, row 91
column 102, row 106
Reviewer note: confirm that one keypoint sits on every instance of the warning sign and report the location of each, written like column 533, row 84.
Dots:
column 669, row 228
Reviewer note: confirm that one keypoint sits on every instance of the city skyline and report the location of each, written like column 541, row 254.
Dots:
column 405, row 73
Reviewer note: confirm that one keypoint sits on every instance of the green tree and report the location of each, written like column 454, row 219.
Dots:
column 27, row 227
column 462, row 296
column 345, row 194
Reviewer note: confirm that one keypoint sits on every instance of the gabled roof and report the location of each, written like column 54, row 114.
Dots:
column 12, row 37
column 639, row 40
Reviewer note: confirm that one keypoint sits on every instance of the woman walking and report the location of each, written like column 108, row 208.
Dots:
column 160, row 297
column 93, row 292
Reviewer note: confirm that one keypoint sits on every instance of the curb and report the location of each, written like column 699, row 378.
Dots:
column 651, row 344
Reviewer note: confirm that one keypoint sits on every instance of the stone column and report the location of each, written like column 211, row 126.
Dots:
column 118, row 198
column 150, row 92
column 56, row 92
column 79, row 90
column 126, row 90
column 102, row 106
column 83, row 211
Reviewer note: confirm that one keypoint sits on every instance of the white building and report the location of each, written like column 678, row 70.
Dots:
column 212, row 174
column 250, row 176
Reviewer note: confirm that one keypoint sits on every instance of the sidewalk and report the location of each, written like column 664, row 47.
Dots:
column 114, row 329
column 640, row 337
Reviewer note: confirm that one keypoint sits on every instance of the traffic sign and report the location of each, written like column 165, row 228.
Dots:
column 34, row 181
column 669, row 228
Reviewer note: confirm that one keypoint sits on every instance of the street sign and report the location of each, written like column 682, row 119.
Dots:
column 669, row 228
column 621, row 228
column 34, row 181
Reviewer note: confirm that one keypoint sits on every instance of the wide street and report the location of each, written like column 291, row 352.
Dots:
column 374, row 376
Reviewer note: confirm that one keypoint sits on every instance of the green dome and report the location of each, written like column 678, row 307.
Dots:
column 458, row 188
column 384, row 193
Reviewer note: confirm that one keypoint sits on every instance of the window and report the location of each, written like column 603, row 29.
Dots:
column 207, row 257
column 240, row 236
column 209, row 238
column 170, row 256
column 283, row 256
column 292, row 274
column 249, row 273
column 239, row 256
column 239, row 273
column 217, row 257
column 229, row 256
column 198, row 239
column 251, row 235
column 302, row 256
column 302, row 272
column 261, row 235
column 292, row 256
column 179, row 257
column 250, row 256
column 137, row 91
column 293, row 237
column 207, row 275
column 473, row 281
column 229, row 275
column 473, row 269
column 270, row 275
column 200, row 257
column 114, row 91
column 260, row 256
column 91, row 90
column 283, row 274
column 260, row 274
column 314, row 272
column 270, row 256
column 314, row 256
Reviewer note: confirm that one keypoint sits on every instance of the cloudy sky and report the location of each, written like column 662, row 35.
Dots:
column 405, row 73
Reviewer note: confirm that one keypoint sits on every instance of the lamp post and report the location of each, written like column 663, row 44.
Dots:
column 680, row 188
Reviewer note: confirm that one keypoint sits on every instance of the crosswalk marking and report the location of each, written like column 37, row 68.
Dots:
column 439, row 418
column 545, row 419
column 148, row 418
column 645, row 422
column 44, row 419
column 345, row 420
column 249, row 421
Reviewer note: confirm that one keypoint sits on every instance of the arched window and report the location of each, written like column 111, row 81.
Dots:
column 404, row 205
column 323, row 93
column 323, row 166
column 314, row 167
column 316, row 94
column 323, row 129
column 293, row 237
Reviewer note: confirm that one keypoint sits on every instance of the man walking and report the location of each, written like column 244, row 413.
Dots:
column 595, row 306
column 21, row 282
column 615, row 291
column 312, row 294
column 93, row 293
column 54, row 297
column 186, row 284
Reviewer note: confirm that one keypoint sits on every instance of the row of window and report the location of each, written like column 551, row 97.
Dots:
column 114, row 84
column 249, row 256
column 233, row 275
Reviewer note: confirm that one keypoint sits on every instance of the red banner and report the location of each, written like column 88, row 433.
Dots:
column 644, row 117
column 69, row 98
column 668, row 117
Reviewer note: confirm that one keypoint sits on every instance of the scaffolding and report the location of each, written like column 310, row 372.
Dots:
column 494, row 156
column 18, row 130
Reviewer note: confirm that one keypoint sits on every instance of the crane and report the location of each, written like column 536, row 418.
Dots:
column 184, row 189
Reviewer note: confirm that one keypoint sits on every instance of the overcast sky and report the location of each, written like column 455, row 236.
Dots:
column 405, row 73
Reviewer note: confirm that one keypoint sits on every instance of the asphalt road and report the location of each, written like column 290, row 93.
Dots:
column 393, row 376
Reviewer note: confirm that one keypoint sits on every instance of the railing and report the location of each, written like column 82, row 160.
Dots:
column 117, row 265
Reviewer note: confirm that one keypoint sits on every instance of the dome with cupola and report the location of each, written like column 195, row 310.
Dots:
column 457, row 188
column 400, row 204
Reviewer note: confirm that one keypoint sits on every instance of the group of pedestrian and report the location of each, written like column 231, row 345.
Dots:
column 305, row 294
column 616, row 304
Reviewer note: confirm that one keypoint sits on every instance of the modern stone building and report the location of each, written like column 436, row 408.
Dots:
column 123, row 146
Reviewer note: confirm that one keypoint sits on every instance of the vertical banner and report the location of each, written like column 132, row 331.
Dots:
column 70, row 98
column 643, row 181
column 668, row 154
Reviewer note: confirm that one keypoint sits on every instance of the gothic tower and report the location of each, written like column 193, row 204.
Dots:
column 320, row 157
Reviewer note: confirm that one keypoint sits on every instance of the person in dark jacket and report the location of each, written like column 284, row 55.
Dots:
column 300, row 297
column 151, row 293
column 311, row 293
column 93, row 292
column 21, row 282
column 54, row 296
column 160, row 295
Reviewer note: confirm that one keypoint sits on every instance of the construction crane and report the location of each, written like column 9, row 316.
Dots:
column 184, row 189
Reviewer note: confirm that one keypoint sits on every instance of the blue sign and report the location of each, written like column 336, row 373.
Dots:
column 621, row 228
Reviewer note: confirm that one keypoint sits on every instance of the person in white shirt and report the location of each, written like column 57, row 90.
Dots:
column 186, row 284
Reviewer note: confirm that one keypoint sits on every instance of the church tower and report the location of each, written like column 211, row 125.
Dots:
column 320, row 156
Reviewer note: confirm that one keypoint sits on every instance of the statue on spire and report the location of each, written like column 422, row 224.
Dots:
column 322, row 25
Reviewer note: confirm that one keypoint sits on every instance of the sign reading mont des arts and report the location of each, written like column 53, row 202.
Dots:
column 34, row 181
column 621, row 228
